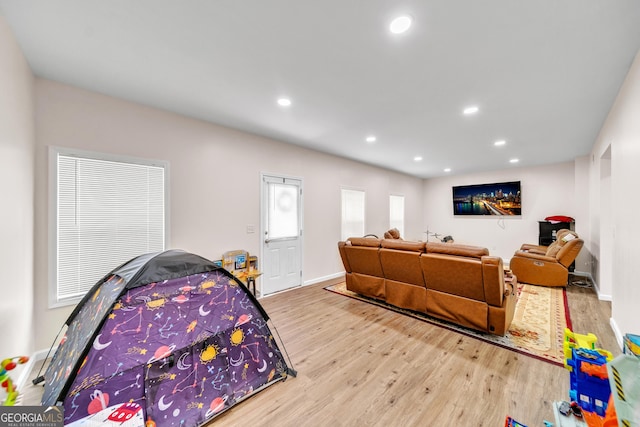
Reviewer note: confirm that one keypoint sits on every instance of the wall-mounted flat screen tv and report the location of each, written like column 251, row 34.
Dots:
column 501, row 199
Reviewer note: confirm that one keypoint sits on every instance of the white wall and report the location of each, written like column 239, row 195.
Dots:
column 581, row 207
column 17, row 144
column 615, row 228
column 214, row 181
column 546, row 190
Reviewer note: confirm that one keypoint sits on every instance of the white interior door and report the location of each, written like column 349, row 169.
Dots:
column 282, row 231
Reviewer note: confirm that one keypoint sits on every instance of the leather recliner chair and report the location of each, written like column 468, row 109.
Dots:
column 547, row 265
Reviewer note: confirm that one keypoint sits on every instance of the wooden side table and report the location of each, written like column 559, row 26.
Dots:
column 249, row 279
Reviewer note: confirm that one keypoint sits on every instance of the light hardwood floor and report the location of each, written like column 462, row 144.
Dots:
column 363, row 365
column 359, row 365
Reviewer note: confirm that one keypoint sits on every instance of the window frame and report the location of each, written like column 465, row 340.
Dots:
column 54, row 153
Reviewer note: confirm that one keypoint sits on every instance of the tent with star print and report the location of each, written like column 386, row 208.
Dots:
column 166, row 339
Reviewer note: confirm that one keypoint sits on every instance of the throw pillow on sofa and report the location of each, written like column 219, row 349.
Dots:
column 394, row 233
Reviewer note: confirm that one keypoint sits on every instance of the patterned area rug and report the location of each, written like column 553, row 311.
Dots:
column 537, row 329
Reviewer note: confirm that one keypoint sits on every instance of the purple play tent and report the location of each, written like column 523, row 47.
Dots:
column 166, row 338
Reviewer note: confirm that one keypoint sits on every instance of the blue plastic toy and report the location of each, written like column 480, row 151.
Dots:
column 589, row 380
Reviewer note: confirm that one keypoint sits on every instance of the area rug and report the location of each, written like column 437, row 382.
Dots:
column 537, row 329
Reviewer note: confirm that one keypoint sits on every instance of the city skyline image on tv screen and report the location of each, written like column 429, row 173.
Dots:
column 499, row 199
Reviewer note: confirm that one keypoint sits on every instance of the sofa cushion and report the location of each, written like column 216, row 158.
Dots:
column 364, row 260
column 404, row 245
column 402, row 266
column 553, row 250
column 456, row 249
column 462, row 276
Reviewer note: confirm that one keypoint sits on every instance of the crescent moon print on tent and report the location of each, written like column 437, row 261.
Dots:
column 164, row 406
column 98, row 345
column 203, row 312
column 181, row 365
column 182, row 347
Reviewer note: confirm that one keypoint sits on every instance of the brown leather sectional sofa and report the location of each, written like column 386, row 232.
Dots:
column 458, row 283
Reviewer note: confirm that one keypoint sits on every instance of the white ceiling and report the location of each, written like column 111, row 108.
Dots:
column 543, row 72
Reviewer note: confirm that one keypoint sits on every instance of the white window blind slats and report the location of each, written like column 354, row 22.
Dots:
column 107, row 213
column 352, row 213
column 396, row 213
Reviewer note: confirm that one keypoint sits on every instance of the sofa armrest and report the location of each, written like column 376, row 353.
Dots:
column 535, row 251
column 364, row 241
column 535, row 256
column 493, row 278
column 343, row 256
column 534, row 248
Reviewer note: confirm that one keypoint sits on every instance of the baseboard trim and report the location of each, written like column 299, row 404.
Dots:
column 32, row 365
column 617, row 333
column 581, row 273
column 604, row 297
column 329, row 278
column 601, row 296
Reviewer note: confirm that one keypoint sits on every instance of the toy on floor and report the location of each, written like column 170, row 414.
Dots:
column 632, row 344
column 5, row 379
column 510, row 422
column 564, row 415
column 624, row 377
column 576, row 410
column 588, row 377
column 564, row 408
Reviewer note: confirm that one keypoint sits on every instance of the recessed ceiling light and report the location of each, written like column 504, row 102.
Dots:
column 499, row 143
column 447, row 169
column 472, row 109
column 371, row 139
column 514, row 160
column 284, row 102
column 400, row 24
column 417, row 159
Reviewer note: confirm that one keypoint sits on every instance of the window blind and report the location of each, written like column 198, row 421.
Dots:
column 352, row 213
column 107, row 213
column 396, row 213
